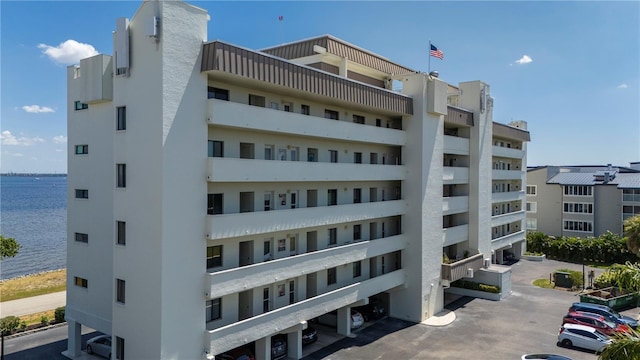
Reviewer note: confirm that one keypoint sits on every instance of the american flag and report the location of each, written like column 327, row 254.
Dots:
column 436, row 53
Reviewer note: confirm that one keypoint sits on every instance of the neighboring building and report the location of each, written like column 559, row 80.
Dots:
column 219, row 195
column 581, row 201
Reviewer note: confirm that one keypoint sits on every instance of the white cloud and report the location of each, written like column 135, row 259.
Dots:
column 7, row 138
column 525, row 59
column 622, row 86
column 36, row 109
column 68, row 52
column 60, row 139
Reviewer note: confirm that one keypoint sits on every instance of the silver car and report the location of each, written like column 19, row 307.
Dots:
column 100, row 345
column 582, row 336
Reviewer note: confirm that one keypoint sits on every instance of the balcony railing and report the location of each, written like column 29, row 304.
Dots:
column 459, row 269
column 507, row 240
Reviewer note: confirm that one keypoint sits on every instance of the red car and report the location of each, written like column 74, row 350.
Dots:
column 596, row 321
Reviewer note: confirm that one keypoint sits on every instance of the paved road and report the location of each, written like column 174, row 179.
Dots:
column 525, row 322
column 34, row 304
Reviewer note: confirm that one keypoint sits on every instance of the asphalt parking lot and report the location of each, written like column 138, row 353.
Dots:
column 525, row 322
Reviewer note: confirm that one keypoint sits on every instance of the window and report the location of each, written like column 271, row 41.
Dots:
column 82, row 194
column 584, row 226
column 357, row 196
column 333, row 236
column 82, row 149
column 268, row 200
column 121, row 175
column 282, row 245
column 292, row 245
column 378, row 122
column 81, row 282
column 305, row 109
column 280, row 290
column 332, row 277
column 120, row 288
column 287, row 106
column 332, row 197
column 216, row 93
column 121, row 231
column 79, row 105
column 247, row 151
column 266, row 304
column 215, row 148
column 357, row 269
column 357, row 229
column 214, row 309
column 257, row 100
column 214, row 256
column 532, row 224
column 583, row 208
column 121, row 118
column 333, row 156
column 357, row 157
column 119, row 348
column 532, row 207
column 292, row 292
column 80, row 237
column 268, row 152
column 578, row 190
column 267, row 250
column 373, row 158
column 331, row 114
column 531, row 190
column 358, row 119
column 312, row 155
column 214, row 204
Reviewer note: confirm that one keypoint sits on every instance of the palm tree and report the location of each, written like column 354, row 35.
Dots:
column 631, row 229
column 624, row 346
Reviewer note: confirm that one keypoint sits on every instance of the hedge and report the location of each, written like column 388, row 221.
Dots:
column 606, row 249
column 476, row 286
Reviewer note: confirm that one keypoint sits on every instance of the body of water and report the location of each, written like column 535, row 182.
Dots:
column 33, row 210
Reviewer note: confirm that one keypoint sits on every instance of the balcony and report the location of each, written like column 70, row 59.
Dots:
column 455, row 145
column 224, row 226
column 508, row 218
column 458, row 270
column 245, row 331
column 455, row 205
column 507, row 240
column 455, row 175
column 455, row 235
column 498, row 197
column 254, row 118
column 506, row 152
column 248, row 277
column 250, row 170
column 507, row 174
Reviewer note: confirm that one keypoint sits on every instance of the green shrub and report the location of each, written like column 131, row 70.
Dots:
column 607, row 249
column 59, row 314
column 604, row 280
column 476, row 286
column 9, row 324
column 44, row 320
column 23, row 326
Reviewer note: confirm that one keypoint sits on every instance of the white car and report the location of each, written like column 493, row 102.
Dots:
column 356, row 319
column 100, row 345
column 583, row 337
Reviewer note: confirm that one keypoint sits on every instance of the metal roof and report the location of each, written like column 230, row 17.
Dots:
column 621, row 180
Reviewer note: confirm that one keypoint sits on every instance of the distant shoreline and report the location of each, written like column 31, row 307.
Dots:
column 33, row 274
column 32, row 174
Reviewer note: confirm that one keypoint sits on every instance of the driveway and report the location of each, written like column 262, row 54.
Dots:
column 525, row 322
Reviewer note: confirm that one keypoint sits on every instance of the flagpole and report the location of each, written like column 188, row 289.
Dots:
column 429, row 56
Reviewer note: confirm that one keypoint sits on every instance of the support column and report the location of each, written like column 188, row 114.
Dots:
column 344, row 321
column 74, row 342
column 263, row 348
column 294, row 345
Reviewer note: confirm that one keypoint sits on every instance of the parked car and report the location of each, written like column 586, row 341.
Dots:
column 278, row 347
column 309, row 335
column 100, row 345
column 240, row 353
column 544, row 357
column 373, row 310
column 599, row 322
column 582, row 336
column 331, row 319
column 606, row 312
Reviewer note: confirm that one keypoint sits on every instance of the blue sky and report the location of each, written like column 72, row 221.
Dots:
column 570, row 69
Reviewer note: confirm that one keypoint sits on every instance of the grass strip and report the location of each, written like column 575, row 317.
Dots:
column 33, row 285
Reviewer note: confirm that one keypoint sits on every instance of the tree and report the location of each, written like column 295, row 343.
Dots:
column 9, row 247
column 631, row 229
column 626, row 276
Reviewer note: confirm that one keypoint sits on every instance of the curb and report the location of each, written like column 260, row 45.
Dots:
column 33, row 331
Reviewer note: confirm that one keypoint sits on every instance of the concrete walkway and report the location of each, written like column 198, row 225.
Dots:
column 34, row 304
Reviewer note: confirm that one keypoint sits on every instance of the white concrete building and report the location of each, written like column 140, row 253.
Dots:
column 220, row 195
